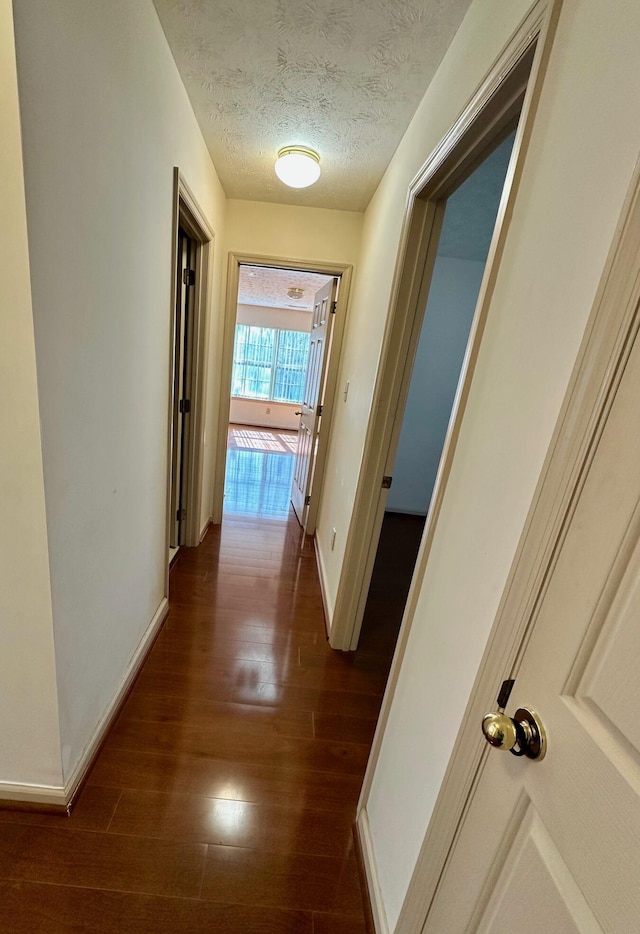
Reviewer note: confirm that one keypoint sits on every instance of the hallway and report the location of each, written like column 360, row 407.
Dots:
column 224, row 797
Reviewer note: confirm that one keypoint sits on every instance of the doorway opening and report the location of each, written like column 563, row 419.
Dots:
column 468, row 221
column 272, row 352
column 283, row 330
column 192, row 267
column 182, row 386
column 502, row 107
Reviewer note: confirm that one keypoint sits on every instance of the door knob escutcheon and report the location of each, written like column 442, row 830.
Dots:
column 522, row 735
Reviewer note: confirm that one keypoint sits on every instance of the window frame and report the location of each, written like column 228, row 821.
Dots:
column 273, row 364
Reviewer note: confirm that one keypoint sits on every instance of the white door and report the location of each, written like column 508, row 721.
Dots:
column 311, row 408
column 553, row 846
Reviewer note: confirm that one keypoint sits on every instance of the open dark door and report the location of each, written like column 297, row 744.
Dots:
column 185, row 280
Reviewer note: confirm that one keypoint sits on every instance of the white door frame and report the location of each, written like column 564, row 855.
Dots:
column 491, row 107
column 188, row 214
column 613, row 325
column 339, row 270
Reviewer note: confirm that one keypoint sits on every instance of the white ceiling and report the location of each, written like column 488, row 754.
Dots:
column 262, row 285
column 341, row 76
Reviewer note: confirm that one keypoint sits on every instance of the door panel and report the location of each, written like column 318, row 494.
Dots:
column 310, row 418
column 536, row 892
column 610, row 675
column 580, row 672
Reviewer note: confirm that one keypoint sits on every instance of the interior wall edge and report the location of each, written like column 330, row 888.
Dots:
column 327, row 603
column 29, row 713
column 376, row 902
column 85, row 760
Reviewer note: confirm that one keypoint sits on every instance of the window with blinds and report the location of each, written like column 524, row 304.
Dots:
column 269, row 363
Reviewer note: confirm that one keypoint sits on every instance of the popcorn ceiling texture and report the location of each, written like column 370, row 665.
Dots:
column 341, row 76
column 262, row 285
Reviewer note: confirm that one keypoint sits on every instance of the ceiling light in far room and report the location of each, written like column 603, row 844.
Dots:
column 295, row 293
column 297, row 166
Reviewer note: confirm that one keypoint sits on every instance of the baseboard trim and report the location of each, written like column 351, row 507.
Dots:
column 50, row 798
column 328, row 617
column 205, row 529
column 62, row 798
column 364, row 884
column 365, row 843
column 92, row 749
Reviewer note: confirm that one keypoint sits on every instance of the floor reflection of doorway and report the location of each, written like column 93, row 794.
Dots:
column 259, row 471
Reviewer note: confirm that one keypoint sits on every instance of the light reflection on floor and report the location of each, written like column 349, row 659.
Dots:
column 258, row 483
column 255, row 439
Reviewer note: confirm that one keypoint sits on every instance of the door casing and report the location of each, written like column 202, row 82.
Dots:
column 188, row 214
column 339, row 270
column 511, row 86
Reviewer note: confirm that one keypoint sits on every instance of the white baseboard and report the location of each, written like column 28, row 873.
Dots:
column 63, row 795
column 205, row 528
column 375, row 894
column 328, row 616
column 50, row 795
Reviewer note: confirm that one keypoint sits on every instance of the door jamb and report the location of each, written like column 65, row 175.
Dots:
column 338, row 270
column 188, row 214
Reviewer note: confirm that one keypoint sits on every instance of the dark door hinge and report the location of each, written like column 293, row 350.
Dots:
column 320, row 408
column 505, row 693
column 334, row 305
column 181, row 515
column 184, row 406
column 386, row 483
column 307, row 501
column 189, row 276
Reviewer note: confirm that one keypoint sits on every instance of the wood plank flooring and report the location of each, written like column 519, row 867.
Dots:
column 224, row 796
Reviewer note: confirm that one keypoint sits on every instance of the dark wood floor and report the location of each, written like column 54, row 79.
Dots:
column 224, row 797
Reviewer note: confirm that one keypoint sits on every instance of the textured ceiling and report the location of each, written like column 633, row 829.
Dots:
column 263, row 285
column 341, row 76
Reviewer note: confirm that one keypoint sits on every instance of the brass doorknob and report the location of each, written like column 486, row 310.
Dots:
column 499, row 730
column 522, row 735
column 297, row 413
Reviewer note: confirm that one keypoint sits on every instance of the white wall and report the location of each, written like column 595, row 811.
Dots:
column 436, row 370
column 256, row 411
column 291, row 233
column 105, row 119
column 578, row 166
column 261, row 414
column 30, row 747
column 295, row 233
column 289, row 319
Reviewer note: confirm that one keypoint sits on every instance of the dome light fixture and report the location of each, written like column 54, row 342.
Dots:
column 293, row 292
column 297, row 166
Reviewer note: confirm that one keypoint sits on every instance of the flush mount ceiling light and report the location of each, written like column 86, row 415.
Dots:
column 297, row 166
column 293, row 292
